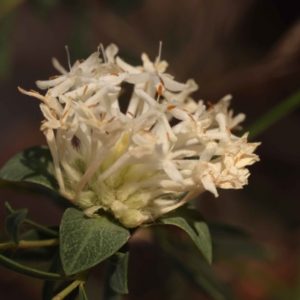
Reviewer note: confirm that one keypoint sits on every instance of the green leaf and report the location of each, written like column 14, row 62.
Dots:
column 13, row 223
column 31, row 165
column 191, row 221
column 108, row 292
column 274, row 114
column 82, row 293
column 48, row 286
column 119, row 277
column 16, row 267
column 85, row 242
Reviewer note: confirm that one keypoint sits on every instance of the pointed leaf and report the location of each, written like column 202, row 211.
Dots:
column 119, row 277
column 108, row 292
column 32, row 165
column 85, row 242
column 49, row 286
column 13, row 223
column 191, row 221
column 82, row 293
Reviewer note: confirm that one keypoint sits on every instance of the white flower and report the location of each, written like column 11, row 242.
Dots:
column 136, row 165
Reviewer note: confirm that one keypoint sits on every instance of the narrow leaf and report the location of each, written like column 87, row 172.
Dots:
column 119, row 277
column 48, row 286
column 274, row 114
column 82, row 293
column 191, row 221
column 108, row 292
column 31, row 165
column 16, row 267
column 85, row 242
column 13, row 223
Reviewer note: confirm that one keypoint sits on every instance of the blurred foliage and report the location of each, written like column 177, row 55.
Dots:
column 123, row 7
column 78, row 40
column 281, row 110
column 6, row 27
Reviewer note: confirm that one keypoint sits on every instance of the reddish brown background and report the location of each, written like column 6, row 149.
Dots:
column 248, row 48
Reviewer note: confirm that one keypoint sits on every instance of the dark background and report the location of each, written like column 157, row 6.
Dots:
column 248, row 48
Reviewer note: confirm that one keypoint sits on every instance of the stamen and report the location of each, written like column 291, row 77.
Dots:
column 161, row 80
column 192, row 117
column 64, row 114
column 68, row 55
column 34, row 91
column 103, row 116
column 159, row 52
column 103, row 53
column 53, row 77
column 211, row 105
column 93, row 105
column 85, row 89
column 111, row 119
column 53, row 112
column 159, row 90
column 171, row 107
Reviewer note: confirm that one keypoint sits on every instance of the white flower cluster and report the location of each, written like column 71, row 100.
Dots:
column 134, row 163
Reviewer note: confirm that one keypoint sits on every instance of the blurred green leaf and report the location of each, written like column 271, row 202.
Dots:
column 85, row 242
column 80, row 34
column 43, row 9
column 230, row 249
column 119, row 277
column 228, row 230
column 193, row 267
column 230, row 242
column 274, row 114
column 6, row 6
column 190, row 220
column 16, row 267
column 7, row 22
column 13, row 223
column 123, row 7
